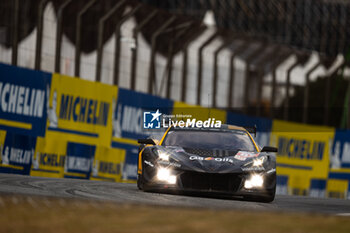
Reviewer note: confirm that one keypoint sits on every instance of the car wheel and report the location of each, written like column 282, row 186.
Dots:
column 140, row 182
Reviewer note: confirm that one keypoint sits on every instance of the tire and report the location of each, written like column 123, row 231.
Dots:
column 140, row 182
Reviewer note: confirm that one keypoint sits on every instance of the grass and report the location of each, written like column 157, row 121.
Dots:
column 19, row 214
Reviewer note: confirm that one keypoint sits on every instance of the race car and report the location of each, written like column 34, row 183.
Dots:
column 221, row 161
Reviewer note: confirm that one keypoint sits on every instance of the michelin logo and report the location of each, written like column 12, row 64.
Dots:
column 16, row 155
column 22, row 100
column 151, row 120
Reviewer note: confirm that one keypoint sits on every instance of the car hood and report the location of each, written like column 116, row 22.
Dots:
column 211, row 161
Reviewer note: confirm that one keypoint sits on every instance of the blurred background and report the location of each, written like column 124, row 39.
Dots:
column 282, row 59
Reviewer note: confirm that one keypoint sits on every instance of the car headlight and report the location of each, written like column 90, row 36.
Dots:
column 162, row 155
column 258, row 162
column 164, row 174
column 255, row 181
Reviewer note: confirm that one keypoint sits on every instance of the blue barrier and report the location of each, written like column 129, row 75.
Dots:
column 79, row 160
column 23, row 100
column 17, row 153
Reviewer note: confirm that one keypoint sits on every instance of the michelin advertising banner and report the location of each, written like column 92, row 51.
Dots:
column 81, row 110
column 16, row 153
column 60, row 158
column 50, row 157
column 303, row 154
column 23, row 100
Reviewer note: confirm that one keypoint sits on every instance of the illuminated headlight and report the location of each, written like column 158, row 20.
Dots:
column 164, row 174
column 255, row 181
column 163, row 156
column 259, row 161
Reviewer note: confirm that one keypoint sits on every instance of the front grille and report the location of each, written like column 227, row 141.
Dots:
column 210, row 181
column 211, row 153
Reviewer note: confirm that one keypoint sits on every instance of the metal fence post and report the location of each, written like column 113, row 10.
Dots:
column 15, row 33
column 200, row 64
column 59, row 35
column 184, row 74
column 134, row 51
column 261, row 68
column 306, row 90
column 100, row 37
column 279, row 60
column 171, row 59
column 226, row 43
column 286, row 103
column 78, row 36
column 248, row 60
column 239, row 50
column 152, row 72
column 117, row 42
column 328, row 91
column 39, row 34
column 185, row 62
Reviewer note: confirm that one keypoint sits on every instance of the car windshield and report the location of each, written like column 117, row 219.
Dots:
column 210, row 139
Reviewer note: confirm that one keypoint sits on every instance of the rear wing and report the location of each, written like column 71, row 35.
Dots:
column 251, row 129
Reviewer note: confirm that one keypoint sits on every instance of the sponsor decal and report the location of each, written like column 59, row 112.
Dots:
column 253, row 169
column 84, row 110
column 211, row 158
column 149, row 163
column 300, row 148
column 167, row 163
column 243, row 155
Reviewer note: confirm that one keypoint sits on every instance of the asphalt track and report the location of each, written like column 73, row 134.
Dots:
column 129, row 194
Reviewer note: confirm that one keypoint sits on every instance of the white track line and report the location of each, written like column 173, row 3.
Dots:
column 344, row 214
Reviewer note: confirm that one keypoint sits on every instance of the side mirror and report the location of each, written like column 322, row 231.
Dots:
column 146, row 141
column 269, row 149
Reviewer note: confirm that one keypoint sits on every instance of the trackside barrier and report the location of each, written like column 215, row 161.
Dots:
column 303, row 155
column 58, row 126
